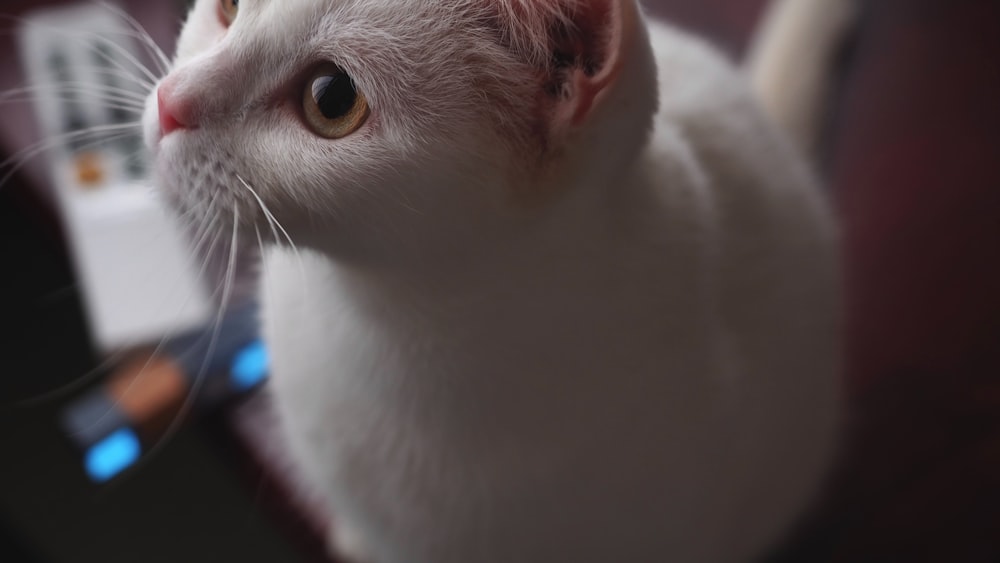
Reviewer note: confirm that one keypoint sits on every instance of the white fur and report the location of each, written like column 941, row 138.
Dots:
column 790, row 61
column 640, row 367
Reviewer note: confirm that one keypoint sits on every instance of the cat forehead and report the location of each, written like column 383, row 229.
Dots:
column 279, row 13
column 295, row 26
column 410, row 57
column 284, row 12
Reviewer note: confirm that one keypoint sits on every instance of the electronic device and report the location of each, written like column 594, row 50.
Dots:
column 144, row 295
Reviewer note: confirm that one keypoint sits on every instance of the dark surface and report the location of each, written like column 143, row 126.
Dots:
column 40, row 305
column 916, row 165
column 184, row 504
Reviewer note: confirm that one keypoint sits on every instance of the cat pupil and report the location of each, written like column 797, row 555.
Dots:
column 334, row 95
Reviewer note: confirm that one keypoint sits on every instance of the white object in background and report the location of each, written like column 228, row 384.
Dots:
column 139, row 282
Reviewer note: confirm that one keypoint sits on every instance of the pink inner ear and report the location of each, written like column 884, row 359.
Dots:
column 562, row 34
column 578, row 47
column 585, row 34
column 604, row 26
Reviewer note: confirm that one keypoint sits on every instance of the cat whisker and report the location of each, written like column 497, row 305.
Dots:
column 267, row 212
column 205, row 226
column 189, row 214
column 260, row 250
column 264, row 281
column 23, row 156
column 204, row 231
column 137, row 156
column 273, row 222
column 137, row 83
column 104, row 41
column 263, row 209
column 260, row 241
column 111, row 97
column 77, row 88
column 187, row 217
column 72, row 387
column 51, row 142
column 199, row 377
column 140, row 33
column 87, row 40
column 404, row 202
column 124, row 90
column 97, row 130
column 132, row 108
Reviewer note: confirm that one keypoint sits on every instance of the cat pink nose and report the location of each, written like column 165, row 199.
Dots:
column 174, row 114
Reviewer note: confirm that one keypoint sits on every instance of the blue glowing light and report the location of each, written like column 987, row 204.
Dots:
column 250, row 365
column 112, row 455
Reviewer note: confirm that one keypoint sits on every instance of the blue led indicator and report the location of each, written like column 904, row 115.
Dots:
column 112, row 455
column 250, row 366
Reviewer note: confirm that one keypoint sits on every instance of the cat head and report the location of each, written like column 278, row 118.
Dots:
column 387, row 124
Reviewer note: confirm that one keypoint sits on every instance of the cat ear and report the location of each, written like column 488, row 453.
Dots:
column 577, row 45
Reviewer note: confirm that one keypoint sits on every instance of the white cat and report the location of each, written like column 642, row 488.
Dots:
column 562, row 292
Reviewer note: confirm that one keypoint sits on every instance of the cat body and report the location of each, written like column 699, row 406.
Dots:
column 602, row 327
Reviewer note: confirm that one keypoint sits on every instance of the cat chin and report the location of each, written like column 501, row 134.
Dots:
column 166, row 166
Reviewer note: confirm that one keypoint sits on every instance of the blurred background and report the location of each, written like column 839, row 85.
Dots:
column 911, row 153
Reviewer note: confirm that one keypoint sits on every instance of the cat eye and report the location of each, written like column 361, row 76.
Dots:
column 228, row 10
column 333, row 106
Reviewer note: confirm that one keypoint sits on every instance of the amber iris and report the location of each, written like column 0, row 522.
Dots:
column 333, row 106
column 228, row 10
